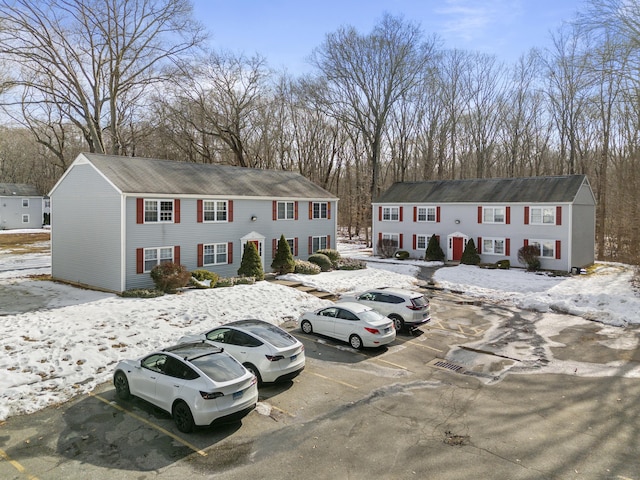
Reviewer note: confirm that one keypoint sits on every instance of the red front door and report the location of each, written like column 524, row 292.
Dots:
column 458, row 242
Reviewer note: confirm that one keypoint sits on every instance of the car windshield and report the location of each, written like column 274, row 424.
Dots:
column 419, row 301
column 370, row 316
column 219, row 367
column 272, row 334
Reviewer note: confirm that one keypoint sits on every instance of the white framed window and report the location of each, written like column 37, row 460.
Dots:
column 320, row 210
column 156, row 256
column 547, row 247
column 318, row 243
column 25, row 202
column 291, row 243
column 493, row 246
column 214, row 254
column 422, row 241
column 391, row 213
column 391, row 239
column 25, row 218
column 542, row 215
column 47, row 203
column 286, row 210
column 158, row 211
column 493, row 215
column 215, row 210
column 426, row 214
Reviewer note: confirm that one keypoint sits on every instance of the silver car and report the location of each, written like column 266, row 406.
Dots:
column 197, row 383
column 407, row 309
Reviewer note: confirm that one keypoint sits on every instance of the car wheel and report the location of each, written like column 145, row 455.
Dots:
column 254, row 371
column 398, row 322
column 306, row 326
column 355, row 341
column 122, row 386
column 183, row 418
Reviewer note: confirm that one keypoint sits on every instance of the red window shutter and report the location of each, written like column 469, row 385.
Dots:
column 380, row 213
column 139, row 259
column 401, row 213
column 415, row 214
column 200, row 254
column 507, row 247
column 176, row 207
column 328, row 241
column 275, row 210
column 479, row 245
column 526, row 216
column 230, row 213
column 415, row 241
column 295, row 210
column 310, row 210
column 480, row 214
column 328, row 210
column 139, row 211
column 230, row 252
column 379, row 239
column 199, row 213
column 310, row 245
column 526, row 242
column 508, row 215
column 558, row 215
column 176, row 254
column 401, row 239
column 438, row 214
column 274, row 247
column 295, row 246
column 558, row 245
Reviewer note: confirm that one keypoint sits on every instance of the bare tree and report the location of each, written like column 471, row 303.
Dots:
column 362, row 77
column 87, row 62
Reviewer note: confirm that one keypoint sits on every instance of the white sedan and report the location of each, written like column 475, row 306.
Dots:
column 267, row 351
column 197, row 383
column 351, row 322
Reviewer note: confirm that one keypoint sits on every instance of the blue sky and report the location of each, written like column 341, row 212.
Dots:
column 287, row 31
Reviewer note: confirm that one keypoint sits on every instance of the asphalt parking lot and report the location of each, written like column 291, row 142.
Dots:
column 397, row 412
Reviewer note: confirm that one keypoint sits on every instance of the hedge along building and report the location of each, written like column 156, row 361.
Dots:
column 556, row 213
column 115, row 218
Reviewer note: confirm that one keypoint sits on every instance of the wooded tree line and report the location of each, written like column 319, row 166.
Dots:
column 135, row 77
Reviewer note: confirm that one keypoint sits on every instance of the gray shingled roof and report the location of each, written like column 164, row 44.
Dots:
column 556, row 189
column 152, row 176
column 18, row 190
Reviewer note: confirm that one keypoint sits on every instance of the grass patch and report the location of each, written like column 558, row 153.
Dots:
column 21, row 243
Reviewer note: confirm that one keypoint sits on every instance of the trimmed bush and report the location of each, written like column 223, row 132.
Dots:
column 306, row 268
column 434, row 251
column 401, row 255
column 503, row 264
column 251, row 264
column 470, row 255
column 224, row 282
column 203, row 278
column 351, row 264
column 169, row 277
column 283, row 261
column 244, row 281
column 529, row 255
column 322, row 261
column 387, row 247
column 334, row 255
column 141, row 293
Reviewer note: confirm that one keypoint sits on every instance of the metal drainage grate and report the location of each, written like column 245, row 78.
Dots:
column 444, row 365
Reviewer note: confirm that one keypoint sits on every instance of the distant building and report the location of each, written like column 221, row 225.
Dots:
column 557, row 213
column 115, row 218
column 21, row 206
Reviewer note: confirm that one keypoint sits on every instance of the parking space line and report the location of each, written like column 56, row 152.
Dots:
column 152, row 425
column 16, row 465
column 391, row 363
column 425, row 346
column 333, row 380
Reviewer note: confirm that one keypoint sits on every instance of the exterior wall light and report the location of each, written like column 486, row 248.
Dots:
column 253, row 218
column 457, row 222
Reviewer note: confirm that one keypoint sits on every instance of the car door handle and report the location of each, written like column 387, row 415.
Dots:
column 176, row 386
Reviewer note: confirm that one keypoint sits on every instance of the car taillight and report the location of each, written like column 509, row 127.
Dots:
column 414, row 307
column 274, row 358
column 372, row 330
column 211, row 395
